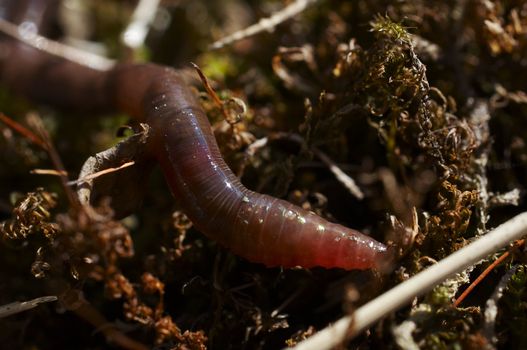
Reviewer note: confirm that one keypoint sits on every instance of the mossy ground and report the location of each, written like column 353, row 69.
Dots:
column 422, row 103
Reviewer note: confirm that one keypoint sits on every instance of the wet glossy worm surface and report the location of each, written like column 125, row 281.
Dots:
column 255, row 226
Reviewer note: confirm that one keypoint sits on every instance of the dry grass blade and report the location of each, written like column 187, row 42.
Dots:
column 206, row 85
column 48, row 172
column 339, row 174
column 346, row 180
column 223, row 106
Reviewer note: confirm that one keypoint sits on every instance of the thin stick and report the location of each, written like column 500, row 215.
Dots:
column 346, row 180
column 484, row 274
column 99, row 173
column 82, row 179
column 48, row 172
column 265, row 24
column 20, row 306
column 55, row 48
column 136, row 31
column 350, row 326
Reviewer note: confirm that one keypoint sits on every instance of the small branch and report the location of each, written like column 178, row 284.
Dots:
column 265, row 24
column 350, row 326
column 55, row 48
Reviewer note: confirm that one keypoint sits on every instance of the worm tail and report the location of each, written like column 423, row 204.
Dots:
column 278, row 233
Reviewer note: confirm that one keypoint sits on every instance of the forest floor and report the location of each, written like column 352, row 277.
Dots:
column 422, row 106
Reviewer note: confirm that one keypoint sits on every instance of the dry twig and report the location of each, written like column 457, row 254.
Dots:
column 99, row 173
column 350, row 326
column 265, row 24
column 346, row 180
column 20, row 306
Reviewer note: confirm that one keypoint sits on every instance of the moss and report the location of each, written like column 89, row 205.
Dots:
column 512, row 319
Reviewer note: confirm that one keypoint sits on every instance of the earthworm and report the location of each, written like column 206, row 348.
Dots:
column 255, row 226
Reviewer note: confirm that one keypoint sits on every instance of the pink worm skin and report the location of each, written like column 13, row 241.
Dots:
column 255, row 226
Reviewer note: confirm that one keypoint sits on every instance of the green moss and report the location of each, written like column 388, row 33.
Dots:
column 512, row 319
column 383, row 26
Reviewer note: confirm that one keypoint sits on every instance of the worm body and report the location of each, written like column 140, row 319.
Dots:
column 255, row 226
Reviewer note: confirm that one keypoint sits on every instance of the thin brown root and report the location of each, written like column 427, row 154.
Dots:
column 112, row 334
column 22, row 130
